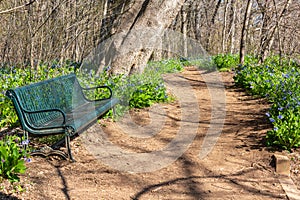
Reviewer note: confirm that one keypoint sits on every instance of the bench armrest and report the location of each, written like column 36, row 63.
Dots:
column 97, row 87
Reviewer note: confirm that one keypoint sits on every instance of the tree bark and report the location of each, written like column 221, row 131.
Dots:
column 232, row 29
column 184, row 31
column 244, row 31
column 140, row 33
column 224, row 27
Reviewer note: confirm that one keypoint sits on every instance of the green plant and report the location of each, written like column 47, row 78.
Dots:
column 225, row 62
column 166, row 66
column 47, row 140
column 147, row 94
column 280, row 85
column 126, row 88
column 12, row 157
column 7, row 113
column 203, row 63
column 286, row 132
column 142, row 90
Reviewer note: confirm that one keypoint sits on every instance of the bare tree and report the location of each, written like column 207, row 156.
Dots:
column 47, row 30
column 34, row 31
column 244, row 31
column 270, row 36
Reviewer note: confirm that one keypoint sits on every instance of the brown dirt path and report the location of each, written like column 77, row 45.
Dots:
column 238, row 167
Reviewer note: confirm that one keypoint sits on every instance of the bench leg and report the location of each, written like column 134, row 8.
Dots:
column 114, row 112
column 67, row 138
column 26, row 140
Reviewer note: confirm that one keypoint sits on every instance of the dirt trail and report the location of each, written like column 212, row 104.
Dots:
column 238, row 167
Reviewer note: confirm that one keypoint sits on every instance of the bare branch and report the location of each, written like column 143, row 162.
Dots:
column 16, row 8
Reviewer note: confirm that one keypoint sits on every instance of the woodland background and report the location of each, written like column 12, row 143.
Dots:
column 35, row 31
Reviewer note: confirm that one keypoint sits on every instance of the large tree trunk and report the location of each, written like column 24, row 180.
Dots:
column 140, row 33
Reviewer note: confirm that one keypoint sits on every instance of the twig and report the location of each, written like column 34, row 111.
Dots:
column 16, row 8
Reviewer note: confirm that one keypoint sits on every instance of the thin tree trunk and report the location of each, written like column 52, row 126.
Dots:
column 198, row 23
column 232, row 29
column 244, row 31
column 233, row 8
column 184, row 31
column 224, row 27
column 269, row 42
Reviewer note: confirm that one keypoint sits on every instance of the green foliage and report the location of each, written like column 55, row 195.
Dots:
column 134, row 91
column 12, row 158
column 11, row 77
column 221, row 62
column 8, row 115
column 286, row 132
column 166, row 66
column 148, row 93
column 47, row 139
column 225, row 62
column 138, row 90
column 202, row 63
column 142, row 90
column 280, row 85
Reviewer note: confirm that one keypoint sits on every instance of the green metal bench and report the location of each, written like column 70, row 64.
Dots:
column 59, row 106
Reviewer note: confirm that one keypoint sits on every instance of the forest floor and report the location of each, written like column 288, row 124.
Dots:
column 172, row 151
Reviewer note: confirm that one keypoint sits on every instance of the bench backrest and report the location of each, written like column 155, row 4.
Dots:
column 62, row 92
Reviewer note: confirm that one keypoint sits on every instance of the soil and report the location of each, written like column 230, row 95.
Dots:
column 235, row 164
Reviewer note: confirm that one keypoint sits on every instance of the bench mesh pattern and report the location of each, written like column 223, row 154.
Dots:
column 63, row 93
